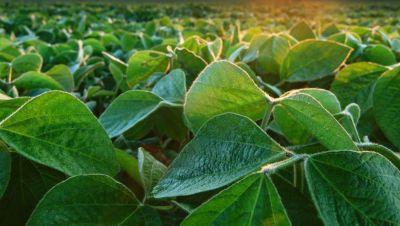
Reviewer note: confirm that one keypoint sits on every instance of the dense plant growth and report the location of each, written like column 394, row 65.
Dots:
column 199, row 115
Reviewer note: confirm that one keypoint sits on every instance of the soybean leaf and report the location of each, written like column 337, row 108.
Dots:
column 253, row 50
column 392, row 156
column 36, row 80
column 354, row 188
column 214, row 49
column 327, row 99
column 143, row 215
column 172, row 87
column 355, row 83
column 386, row 106
column 28, row 183
column 287, row 122
column 25, row 63
column 223, row 87
column 117, row 118
column 379, row 54
column 151, row 170
column 142, row 64
column 63, row 76
column 5, row 170
column 226, row 148
column 272, row 54
column 299, row 207
column 251, row 201
column 57, row 130
column 190, row 62
column 85, row 200
column 313, row 59
column 308, row 112
column 7, row 107
column 302, row 31
column 83, row 72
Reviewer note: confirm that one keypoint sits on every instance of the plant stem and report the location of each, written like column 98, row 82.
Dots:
column 268, row 112
column 272, row 168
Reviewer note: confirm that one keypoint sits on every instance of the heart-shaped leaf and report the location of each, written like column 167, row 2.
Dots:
column 355, row 83
column 354, row 188
column 142, row 64
column 307, row 111
column 117, row 118
column 223, row 87
column 57, row 130
column 252, row 201
column 226, row 148
column 313, row 59
column 85, row 200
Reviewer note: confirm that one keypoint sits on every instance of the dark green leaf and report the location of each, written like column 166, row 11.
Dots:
column 28, row 183
column 226, row 148
column 252, row 201
column 354, row 84
column 151, row 170
column 386, row 106
column 354, row 188
column 172, row 87
column 312, row 116
column 85, row 200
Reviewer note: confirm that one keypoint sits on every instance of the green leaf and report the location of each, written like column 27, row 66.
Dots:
column 172, row 87
column 5, row 170
column 190, row 62
column 355, row 83
column 299, row 207
column 386, row 106
column 151, row 170
column 36, row 80
column 142, row 64
column 379, row 54
column 226, row 148
column 63, row 76
column 386, row 152
column 85, row 200
column 223, row 87
column 327, row 99
column 272, row 54
column 59, row 131
column 286, row 121
column 302, row 31
column 118, row 118
column 25, row 63
column 83, row 72
column 354, row 188
column 251, row 201
column 28, row 183
column 313, row 59
column 253, row 50
column 7, row 107
column 143, row 216
column 312, row 116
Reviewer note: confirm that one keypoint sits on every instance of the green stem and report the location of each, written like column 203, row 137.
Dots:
column 272, row 168
column 268, row 112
